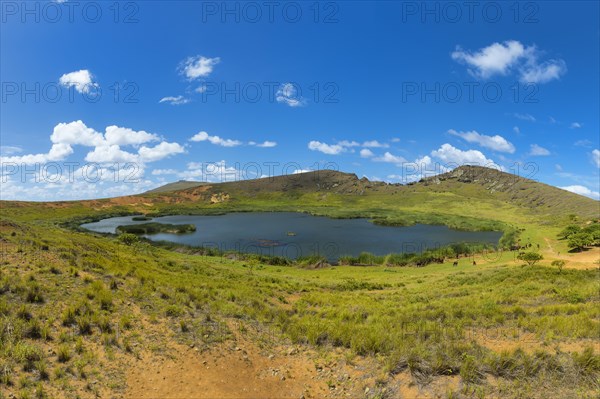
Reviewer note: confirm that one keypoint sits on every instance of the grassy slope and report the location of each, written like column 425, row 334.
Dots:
column 430, row 321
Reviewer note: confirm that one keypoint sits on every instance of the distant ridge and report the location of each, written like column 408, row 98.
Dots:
column 513, row 189
column 176, row 186
column 470, row 182
column 306, row 182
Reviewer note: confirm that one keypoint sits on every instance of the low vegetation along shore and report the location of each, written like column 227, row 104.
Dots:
column 86, row 315
column 155, row 228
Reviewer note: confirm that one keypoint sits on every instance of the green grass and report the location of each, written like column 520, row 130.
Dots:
column 69, row 291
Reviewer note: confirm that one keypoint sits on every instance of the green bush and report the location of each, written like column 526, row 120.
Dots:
column 34, row 293
column 63, row 353
column 558, row 264
column 28, row 355
column 173, row 311
column 128, row 238
column 84, row 324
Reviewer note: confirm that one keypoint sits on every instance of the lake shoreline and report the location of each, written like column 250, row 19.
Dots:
column 296, row 235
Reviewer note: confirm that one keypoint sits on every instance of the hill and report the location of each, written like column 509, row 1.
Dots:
column 471, row 183
column 523, row 192
column 176, row 186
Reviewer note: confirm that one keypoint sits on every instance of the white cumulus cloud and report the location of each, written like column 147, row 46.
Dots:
column 543, row 73
column 288, row 94
column 452, row 155
column 179, row 100
column 81, row 80
column 596, row 157
column 216, row 140
column 366, row 153
column 198, row 66
column 375, row 144
column 330, row 149
column 508, row 57
column 106, row 147
column 110, row 153
column 76, row 133
column 267, row 144
column 495, row 143
column 390, row 158
column 9, row 150
column 496, row 58
column 160, row 151
column 125, row 136
column 536, row 150
column 582, row 190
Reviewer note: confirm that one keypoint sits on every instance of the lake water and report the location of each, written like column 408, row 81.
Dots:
column 296, row 234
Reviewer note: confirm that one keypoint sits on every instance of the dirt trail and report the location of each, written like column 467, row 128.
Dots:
column 574, row 260
column 218, row 374
column 239, row 369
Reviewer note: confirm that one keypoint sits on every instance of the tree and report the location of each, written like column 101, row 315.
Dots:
column 559, row 264
column 530, row 257
column 128, row 238
column 569, row 231
column 594, row 230
column 580, row 240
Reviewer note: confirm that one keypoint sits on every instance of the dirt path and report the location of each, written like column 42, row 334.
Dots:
column 549, row 243
column 574, row 260
column 224, row 374
column 239, row 368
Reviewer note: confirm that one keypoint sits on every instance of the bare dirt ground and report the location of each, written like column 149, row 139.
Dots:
column 240, row 368
column 574, row 260
column 246, row 367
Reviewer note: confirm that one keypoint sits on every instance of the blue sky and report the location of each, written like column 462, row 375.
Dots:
column 101, row 99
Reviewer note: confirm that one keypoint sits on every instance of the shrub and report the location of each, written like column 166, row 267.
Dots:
column 559, row 264
column 85, row 325
column 173, row 311
column 105, row 299
column 104, row 325
column 54, row 270
column 63, row 353
column 4, row 308
column 34, row 294
column 128, row 238
column 23, row 313
column 42, row 369
column 28, row 355
column 33, row 329
column 6, row 374
column 69, row 316
column 587, row 362
column 125, row 322
column 40, row 393
column 184, row 327
column 469, row 371
column 79, row 348
column 109, row 340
